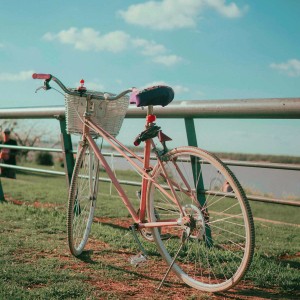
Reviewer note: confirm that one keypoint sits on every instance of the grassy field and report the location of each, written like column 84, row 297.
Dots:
column 35, row 262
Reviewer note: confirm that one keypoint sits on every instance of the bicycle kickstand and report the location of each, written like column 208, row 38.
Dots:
column 141, row 257
column 183, row 239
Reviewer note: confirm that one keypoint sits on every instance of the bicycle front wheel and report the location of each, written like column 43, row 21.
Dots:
column 212, row 245
column 82, row 199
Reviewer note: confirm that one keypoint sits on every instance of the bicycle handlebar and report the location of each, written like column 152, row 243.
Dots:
column 41, row 76
column 80, row 92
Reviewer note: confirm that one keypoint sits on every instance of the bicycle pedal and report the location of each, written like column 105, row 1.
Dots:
column 137, row 260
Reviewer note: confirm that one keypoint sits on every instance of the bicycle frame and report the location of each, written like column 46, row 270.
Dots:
column 144, row 171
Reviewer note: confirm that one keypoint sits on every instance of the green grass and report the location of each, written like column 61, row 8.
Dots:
column 31, row 246
column 35, row 262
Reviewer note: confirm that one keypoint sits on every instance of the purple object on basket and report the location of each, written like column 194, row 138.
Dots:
column 155, row 95
column 133, row 98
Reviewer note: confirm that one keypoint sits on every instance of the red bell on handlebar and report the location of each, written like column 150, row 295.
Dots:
column 81, row 87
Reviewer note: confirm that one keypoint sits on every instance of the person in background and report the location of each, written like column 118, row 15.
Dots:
column 8, row 156
column 227, row 188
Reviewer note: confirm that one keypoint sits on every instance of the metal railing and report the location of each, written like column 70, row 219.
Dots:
column 275, row 108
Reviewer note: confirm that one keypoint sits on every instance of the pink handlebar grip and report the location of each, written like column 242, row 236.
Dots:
column 41, row 76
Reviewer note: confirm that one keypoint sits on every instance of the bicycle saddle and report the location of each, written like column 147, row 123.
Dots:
column 155, row 95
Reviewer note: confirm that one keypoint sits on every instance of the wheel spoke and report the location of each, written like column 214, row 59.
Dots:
column 219, row 227
column 82, row 200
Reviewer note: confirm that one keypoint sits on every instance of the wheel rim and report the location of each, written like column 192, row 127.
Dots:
column 220, row 233
column 82, row 201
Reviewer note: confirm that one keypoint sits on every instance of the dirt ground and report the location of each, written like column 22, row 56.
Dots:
column 142, row 282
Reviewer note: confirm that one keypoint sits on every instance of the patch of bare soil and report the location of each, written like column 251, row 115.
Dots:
column 36, row 204
column 141, row 282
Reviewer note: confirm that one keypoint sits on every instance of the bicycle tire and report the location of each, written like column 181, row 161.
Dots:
column 82, row 199
column 215, row 247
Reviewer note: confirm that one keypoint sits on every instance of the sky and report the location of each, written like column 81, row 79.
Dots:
column 204, row 49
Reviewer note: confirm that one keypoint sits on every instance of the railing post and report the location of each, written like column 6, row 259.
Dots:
column 199, row 185
column 2, row 199
column 190, row 132
column 67, row 148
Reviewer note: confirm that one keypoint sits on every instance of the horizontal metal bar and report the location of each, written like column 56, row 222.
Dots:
column 249, row 197
column 250, row 164
column 276, row 166
column 138, row 184
column 279, row 108
column 246, row 108
column 30, row 148
column 33, row 112
column 272, row 108
column 227, row 162
column 32, row 169
column 126, row 182
column 257, row 198
column 273, row 200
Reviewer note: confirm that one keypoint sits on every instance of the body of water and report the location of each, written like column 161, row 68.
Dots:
column 271, row 182
column 275, row 183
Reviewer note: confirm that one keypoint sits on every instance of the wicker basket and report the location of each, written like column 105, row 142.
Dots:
column 109, row 115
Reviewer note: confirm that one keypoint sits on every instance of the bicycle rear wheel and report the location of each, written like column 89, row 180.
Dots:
column 82, row 199
column 212, row 245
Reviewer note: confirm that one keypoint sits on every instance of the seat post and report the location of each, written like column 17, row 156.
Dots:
column 146, row 166
column 149, row 110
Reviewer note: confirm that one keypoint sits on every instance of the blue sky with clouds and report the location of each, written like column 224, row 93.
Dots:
column 204, row 49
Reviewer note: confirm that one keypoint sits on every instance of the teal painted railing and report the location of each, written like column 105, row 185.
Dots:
column 277, row 108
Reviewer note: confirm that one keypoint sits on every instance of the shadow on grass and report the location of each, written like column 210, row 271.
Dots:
column 115, row 226
column 85, row 256
column 263, row 294
column 292, row 261
column 144, row 276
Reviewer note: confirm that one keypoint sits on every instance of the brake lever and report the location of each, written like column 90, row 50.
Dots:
column 39, row 88
column 45, row 87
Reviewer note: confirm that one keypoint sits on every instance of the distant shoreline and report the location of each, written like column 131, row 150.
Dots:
column 272, row 158
column 259, row 157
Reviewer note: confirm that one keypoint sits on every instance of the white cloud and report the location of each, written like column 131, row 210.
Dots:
column 170, row 14
column 178, row 89
column 21, row 76
column 230, row 10
column 290, row 68
column 167, row 14
column 149, row 48
column 157, row 52
column 119, row 81
column 88, row 39
column 95, row 86
column 167, row 60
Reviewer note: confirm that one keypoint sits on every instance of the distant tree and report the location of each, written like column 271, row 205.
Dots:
column 25, row 133
column 11, row 124
column 27, row 139
column 44, row 159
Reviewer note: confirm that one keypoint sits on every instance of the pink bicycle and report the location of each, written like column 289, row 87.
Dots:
column 205, row 235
